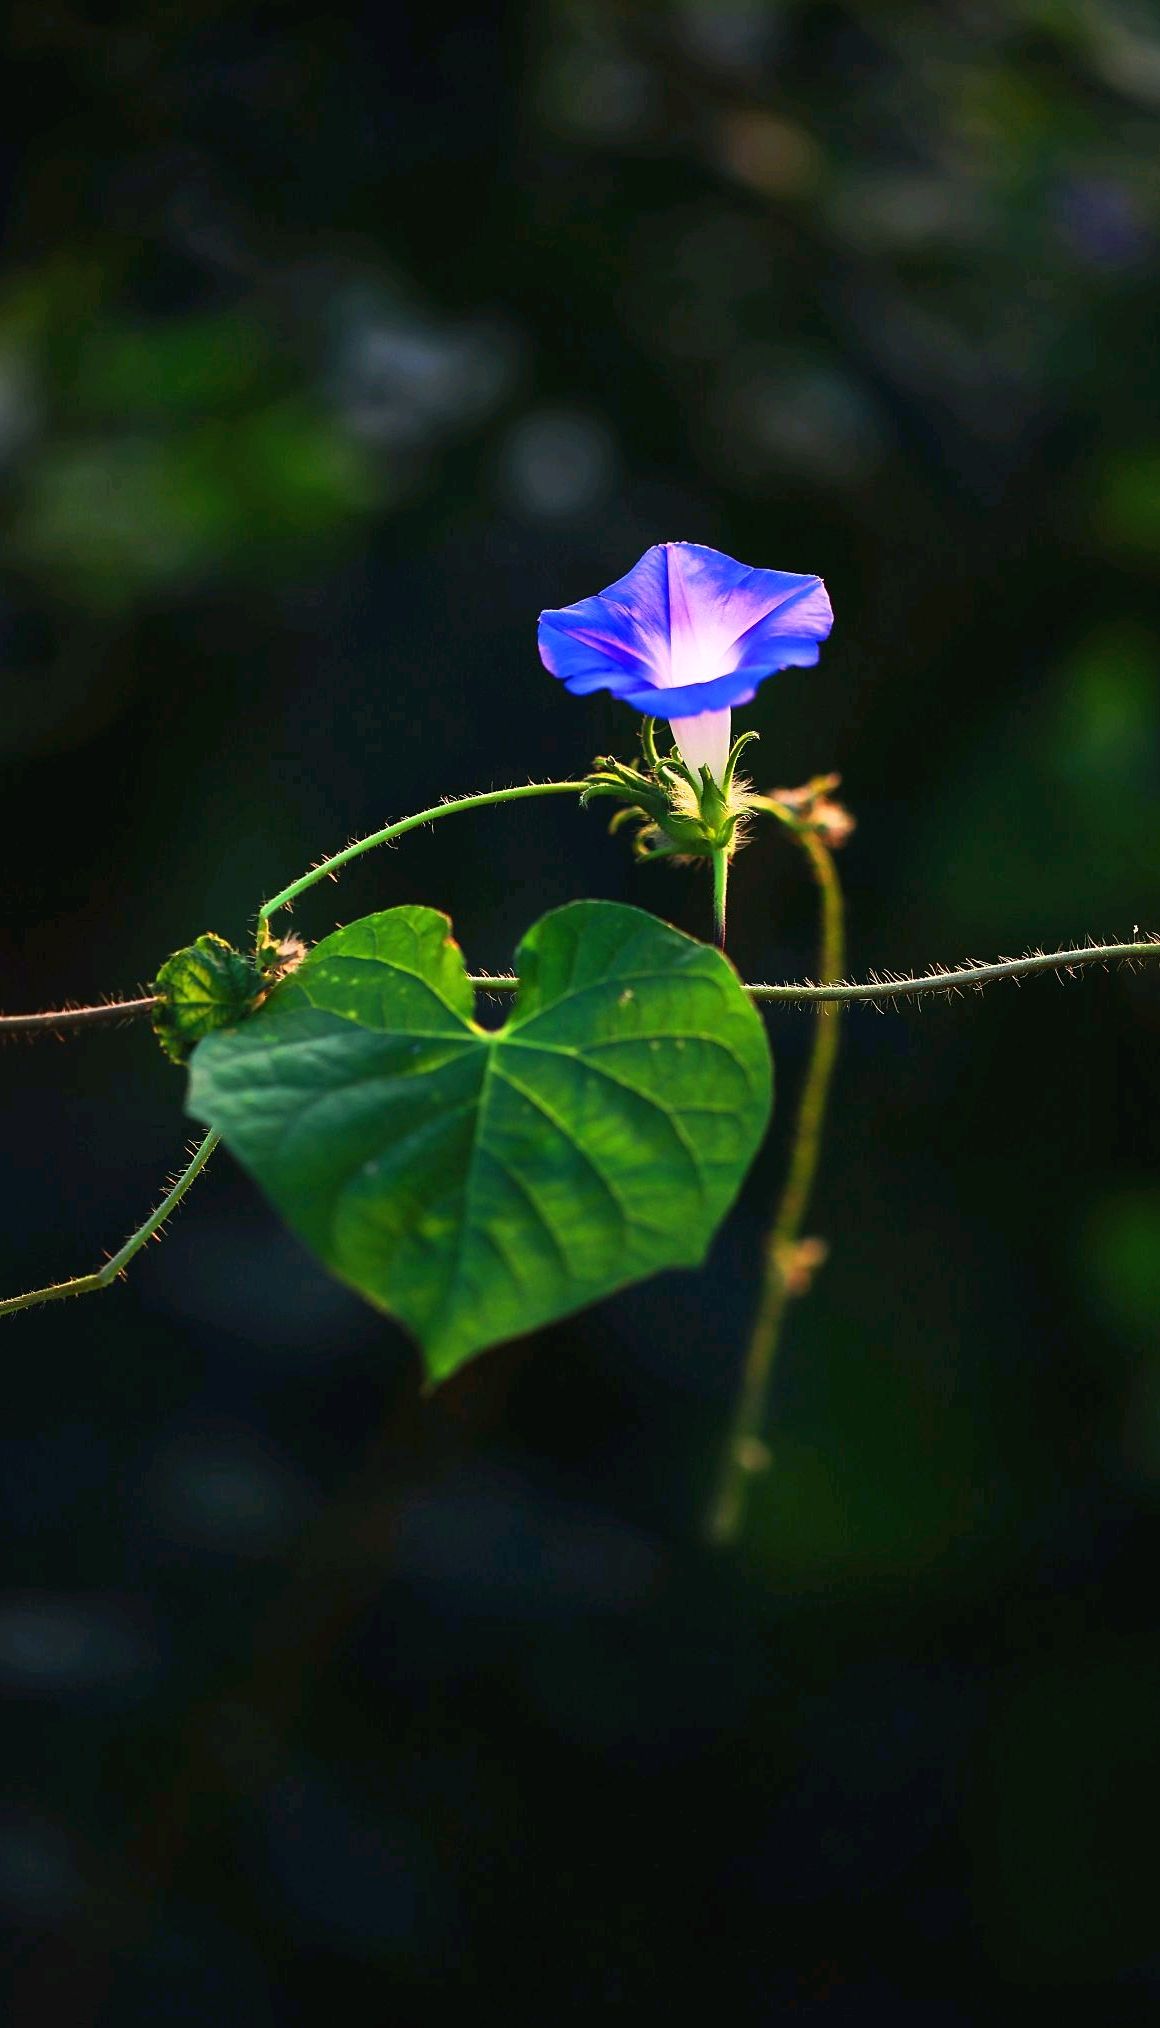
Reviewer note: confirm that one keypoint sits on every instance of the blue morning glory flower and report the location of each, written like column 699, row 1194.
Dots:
column 685, row 636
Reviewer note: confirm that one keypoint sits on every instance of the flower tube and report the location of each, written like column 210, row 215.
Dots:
column 686, row 635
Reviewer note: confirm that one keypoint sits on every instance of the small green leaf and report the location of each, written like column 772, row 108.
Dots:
column 477, row 1183
column 207, row 985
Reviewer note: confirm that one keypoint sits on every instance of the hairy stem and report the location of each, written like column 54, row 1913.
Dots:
column 720, row 890
column 478, row 802
column 85, row 1285
column 950, row 980
column 76, row 1017
column 745, row 1452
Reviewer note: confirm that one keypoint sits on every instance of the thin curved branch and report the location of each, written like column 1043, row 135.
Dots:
column 745, row 1453
column 451, row 807
column 107, row 1273
column 57, row 1018
column 882, row 987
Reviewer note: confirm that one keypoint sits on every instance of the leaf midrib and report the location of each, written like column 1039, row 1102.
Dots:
column 466, row 1230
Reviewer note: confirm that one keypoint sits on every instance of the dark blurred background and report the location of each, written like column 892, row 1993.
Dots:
column 333, row 346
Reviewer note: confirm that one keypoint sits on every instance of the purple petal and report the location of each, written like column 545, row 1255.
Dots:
column 690, row 624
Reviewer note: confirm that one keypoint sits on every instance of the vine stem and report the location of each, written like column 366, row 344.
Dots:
column 948, row 980
column 720, row 890
column 831, row 992
column 327, row 867
column 85, row 1285
column 745, row 1453
column 76, row 1017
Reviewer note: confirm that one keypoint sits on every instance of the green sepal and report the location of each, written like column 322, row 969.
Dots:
column 206, row 986
column 680, row 811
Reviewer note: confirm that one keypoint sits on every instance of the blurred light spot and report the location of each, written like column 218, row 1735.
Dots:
column 889, row 210
column 771, row 155
column 1141, row 1435
column 19, row 409
column 556, row 464
column 53, row 1475
column 258, row 1285
column 688, row 286
column 991, row 395
column 1107, row 727
column 111, row 517
column 786, row 416
column 365, row 1876
column 731, row 34
column 1119, row 1264
column 634, row 1689
column 225, row 1493
column 592, row 88
column 404, row 383
column 207, row 225
column 39, row 1880
column 117, row 514
column 169, row 367
column 1100, row 221
column 878, row 1755
column 53, row 1645
column 190, row 1967
column 504, row 1547
column 721, row 253
column 1126, row 511
column 1123, row 49
column 58, row 694
column 1064, row 1788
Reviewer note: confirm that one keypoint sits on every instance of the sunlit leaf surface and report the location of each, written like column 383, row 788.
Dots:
column 479, row 1183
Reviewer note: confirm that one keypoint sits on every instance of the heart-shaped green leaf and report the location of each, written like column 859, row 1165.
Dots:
column 477, row 1183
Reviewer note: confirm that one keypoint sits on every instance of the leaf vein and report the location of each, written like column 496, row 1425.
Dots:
column 613, row 983
column 588, row 1159
column 512, row 1175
